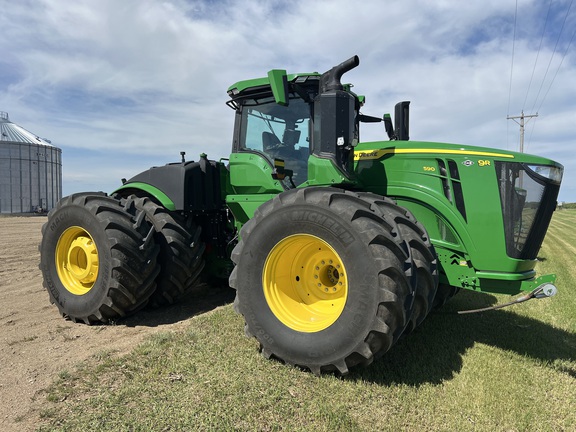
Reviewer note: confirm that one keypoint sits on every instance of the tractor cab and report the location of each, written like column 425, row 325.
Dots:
column 303, row 126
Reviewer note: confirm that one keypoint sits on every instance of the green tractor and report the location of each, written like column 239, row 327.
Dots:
column 335, row 248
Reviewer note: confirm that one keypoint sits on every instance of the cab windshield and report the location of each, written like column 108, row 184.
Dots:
column 279, row 132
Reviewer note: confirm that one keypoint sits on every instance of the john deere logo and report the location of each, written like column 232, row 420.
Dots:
column 363, row 155
column 468, row 162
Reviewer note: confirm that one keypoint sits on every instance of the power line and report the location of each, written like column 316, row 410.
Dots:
column 524, row 118
column 552, row 56
column 513, row 49
column 561, row 61
column 531, row 131
column 512, row 66
column 538, row 53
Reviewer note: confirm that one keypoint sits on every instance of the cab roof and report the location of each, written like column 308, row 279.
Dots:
column 240, row 87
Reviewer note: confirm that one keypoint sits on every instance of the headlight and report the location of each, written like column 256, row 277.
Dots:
column 552, row 173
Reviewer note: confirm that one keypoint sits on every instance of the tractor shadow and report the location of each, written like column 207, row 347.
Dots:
column 208, row 298
column 434, row 352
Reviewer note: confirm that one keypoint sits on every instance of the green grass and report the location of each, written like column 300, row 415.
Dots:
column 507, row 370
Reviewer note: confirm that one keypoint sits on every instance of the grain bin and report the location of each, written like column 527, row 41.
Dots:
column 30, row 170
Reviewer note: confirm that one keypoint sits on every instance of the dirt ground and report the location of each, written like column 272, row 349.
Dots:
column 36, row 343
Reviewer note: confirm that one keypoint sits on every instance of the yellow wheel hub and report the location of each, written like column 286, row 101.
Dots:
column 305, row 283
column 77, row 260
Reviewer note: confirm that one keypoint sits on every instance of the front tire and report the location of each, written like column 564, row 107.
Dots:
column 97, row 258
column 322, row 280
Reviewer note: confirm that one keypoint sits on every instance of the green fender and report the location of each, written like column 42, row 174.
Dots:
column 160, row 196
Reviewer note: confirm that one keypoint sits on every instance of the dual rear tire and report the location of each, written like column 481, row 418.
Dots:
column 104, row 258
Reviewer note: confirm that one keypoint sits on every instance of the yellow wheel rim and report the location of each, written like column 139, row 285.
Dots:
column 305, row 283
column 77, row 260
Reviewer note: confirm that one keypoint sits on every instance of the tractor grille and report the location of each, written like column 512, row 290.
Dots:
column 528, row 201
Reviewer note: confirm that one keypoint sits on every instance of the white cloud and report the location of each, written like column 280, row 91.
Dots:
column 149, row 78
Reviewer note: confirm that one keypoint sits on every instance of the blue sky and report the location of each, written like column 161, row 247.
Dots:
column 124, row 85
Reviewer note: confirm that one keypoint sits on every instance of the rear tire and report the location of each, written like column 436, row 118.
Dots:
column 97, row 258
column 181, row 251
column 322, row 280
column 423, row 256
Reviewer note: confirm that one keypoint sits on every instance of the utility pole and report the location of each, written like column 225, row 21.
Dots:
column 521, row 123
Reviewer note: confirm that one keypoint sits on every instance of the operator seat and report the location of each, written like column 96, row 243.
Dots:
column 269, row 141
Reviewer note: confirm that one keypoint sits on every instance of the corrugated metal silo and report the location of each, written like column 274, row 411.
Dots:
column 30, row 170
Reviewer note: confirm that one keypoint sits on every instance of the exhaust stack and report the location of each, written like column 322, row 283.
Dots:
column 331, row 79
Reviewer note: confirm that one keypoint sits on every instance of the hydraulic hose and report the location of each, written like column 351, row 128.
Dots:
column 543, row 291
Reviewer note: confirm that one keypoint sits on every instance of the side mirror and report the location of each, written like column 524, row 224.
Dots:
column 402, row 120
column 388, row 126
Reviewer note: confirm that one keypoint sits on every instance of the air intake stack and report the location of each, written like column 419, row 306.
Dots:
column 334, row 118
